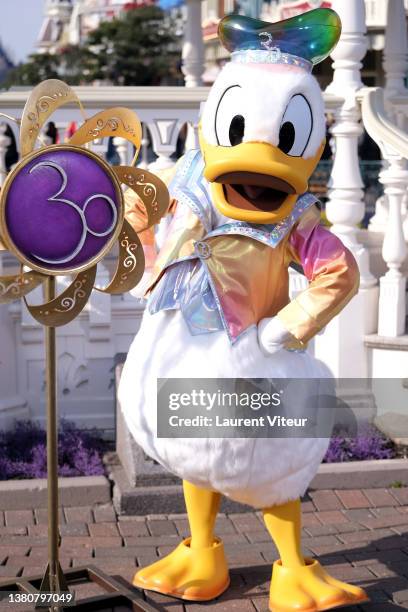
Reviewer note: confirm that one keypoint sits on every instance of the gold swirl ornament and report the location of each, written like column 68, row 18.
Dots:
column 152, row 197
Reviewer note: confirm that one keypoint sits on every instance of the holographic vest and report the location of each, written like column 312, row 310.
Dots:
column 221, row 278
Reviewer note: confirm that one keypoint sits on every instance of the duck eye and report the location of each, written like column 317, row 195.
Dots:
column 296, row 127
column 230, row 117
column 286, row 136
column 236, row 131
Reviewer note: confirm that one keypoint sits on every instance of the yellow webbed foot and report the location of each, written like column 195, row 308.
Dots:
column 196, row 574
column 309, row 588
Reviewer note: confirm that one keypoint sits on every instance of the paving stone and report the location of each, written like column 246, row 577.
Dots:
column 31, row 561
column 230, row 605
column 103, row 529
column 79, row 553
column 92, row 542
column 122, row 551
column 6, row 551
column 258, row 536
column 365, row 535
column 382, row 607
column 348, row 527
column 308, row 506
column 88, row 589
column 14, row 530
column 2, row 523
column 378, row 556
column 41, row 516
column 400, row 596
column 183, row 527
column 261, row 604
column 35, row 570
column 351, row 574
column 224, row 525
column 133, row 528
column 117, row 565
column 165, row 603
column 147, row 558
column 383, row 570
column 79, row 514
column 393, row 585
column 353, row 499
column 326, row 500
column 19, row 517
column 11, row 571
column 321, row 530
column 246, row 522
column 159, row 528
column 168, row 540
column 331, row 517
column 363, row 545
column 104, row 513
column 379, row 497
column 391, row 542
column 79, row 561
column 76, row 541
column 320, row 540
column 38, row 530
column 385, row 521
column 400, row 494
column 339, row 547
column 310, row 519
column 74, row 529
column 21, row 540
column 386, row 511
column 359, row 514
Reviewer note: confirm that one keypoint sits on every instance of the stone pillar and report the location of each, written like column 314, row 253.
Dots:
column 122, row 149
column 4, row 143
column 345, row 208
column 193, row 46
column 391, row 320
column 395, row 58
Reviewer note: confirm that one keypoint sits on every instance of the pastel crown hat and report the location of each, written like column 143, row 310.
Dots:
column 303, row 40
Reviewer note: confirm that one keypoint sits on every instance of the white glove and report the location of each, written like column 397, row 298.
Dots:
column 272, row 335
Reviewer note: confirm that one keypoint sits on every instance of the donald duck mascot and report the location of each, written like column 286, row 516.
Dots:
column 219, row 305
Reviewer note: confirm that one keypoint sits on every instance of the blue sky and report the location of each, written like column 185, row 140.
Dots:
column 20, row 22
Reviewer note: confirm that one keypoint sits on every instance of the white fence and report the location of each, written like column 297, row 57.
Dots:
column 352, row 345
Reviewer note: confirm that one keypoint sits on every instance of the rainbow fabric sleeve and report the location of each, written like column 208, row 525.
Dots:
column 331, row 270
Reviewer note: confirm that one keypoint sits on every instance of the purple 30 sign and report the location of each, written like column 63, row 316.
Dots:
column 63, row 209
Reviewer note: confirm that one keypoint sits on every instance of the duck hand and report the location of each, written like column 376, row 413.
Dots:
column 272, row 335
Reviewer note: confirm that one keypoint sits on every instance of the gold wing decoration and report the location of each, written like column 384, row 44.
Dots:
column 152, row 196
column 43, row 101
column 18, row 285
column 66, row 306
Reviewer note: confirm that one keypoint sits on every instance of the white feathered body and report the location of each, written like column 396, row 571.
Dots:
column 259, row 472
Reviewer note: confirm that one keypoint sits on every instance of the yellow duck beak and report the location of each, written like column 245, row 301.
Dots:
column 255, row 181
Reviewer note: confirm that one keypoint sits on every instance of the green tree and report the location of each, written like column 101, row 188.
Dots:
column 137, row 48
column 39, row 66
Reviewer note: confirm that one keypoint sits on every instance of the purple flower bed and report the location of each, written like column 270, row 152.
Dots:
column 23, row 452
column 369, row 443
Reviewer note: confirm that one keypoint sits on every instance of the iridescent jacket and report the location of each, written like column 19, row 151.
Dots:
column 232, row 276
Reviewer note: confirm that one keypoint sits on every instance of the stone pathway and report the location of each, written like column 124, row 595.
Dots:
column 360, row 536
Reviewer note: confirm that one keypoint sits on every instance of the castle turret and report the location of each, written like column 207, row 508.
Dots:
column 54, row 30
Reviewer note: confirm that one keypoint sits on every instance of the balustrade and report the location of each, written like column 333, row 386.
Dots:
column 166, row 114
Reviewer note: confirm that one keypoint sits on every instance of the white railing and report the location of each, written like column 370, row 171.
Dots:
column 88, row 345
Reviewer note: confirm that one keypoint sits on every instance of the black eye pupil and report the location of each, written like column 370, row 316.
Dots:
column 236, row 131
column 286, row 136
